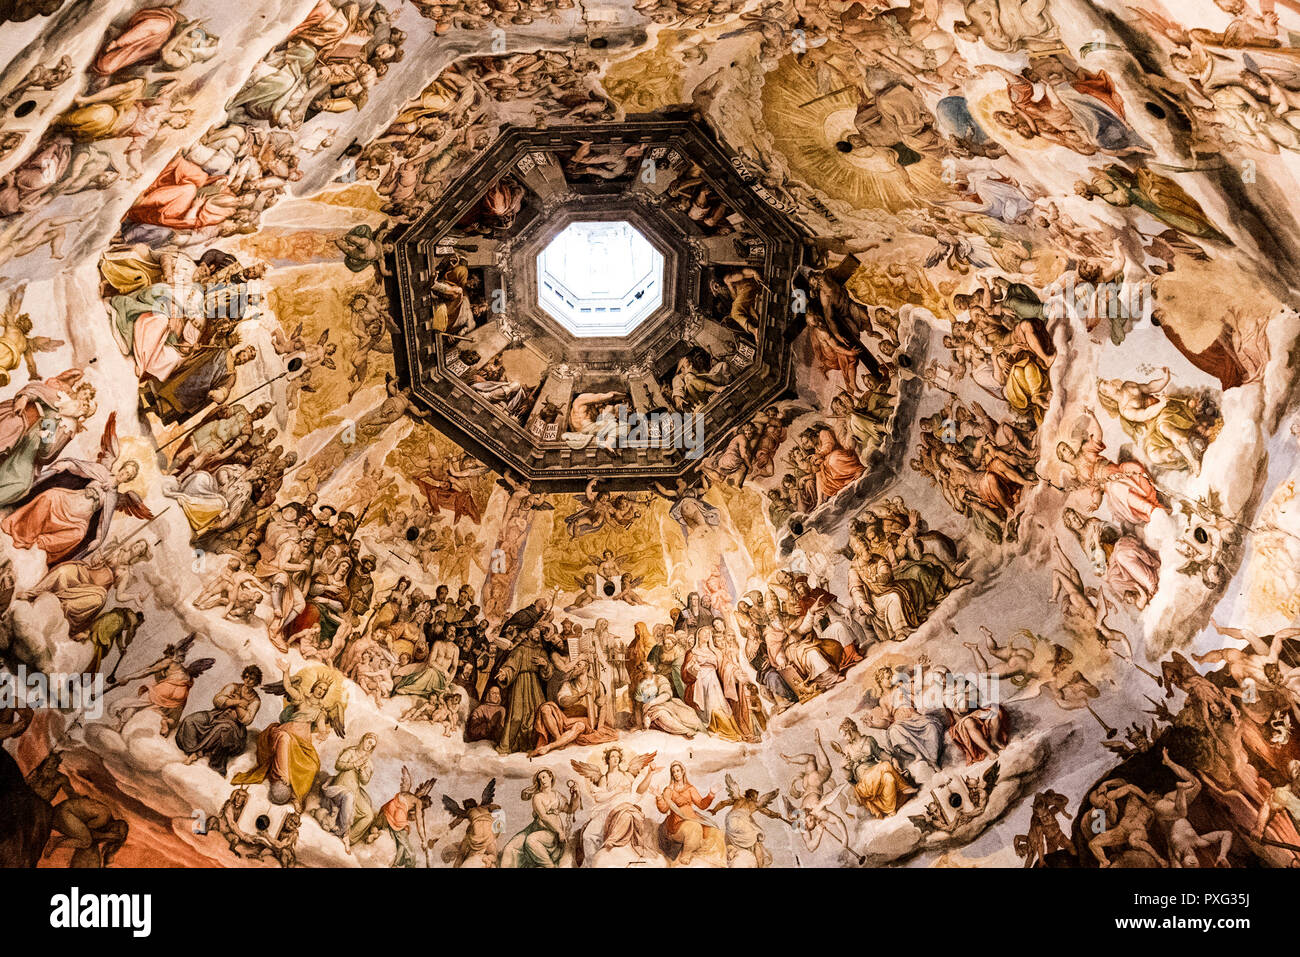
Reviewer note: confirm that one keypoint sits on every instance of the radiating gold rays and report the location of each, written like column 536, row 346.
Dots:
column 650, row 81
column 806, row 125
column 639, row 548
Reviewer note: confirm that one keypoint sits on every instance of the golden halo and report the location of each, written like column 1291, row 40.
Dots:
column 807, row 124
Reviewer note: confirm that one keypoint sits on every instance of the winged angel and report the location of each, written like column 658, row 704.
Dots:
column 75, row 500
column 619, row 787
column 287, row 759
column 478, row 848
column 744, row 836
column 407, row 807
column 17, row 344
column 596, row 509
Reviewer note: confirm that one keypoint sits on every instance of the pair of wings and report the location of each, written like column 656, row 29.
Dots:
column 196, row 667
column 333, row 715
column 199, row 666
column 788, row 414
column 323, row 338
column 826, row 801
column 10, row 312
column 285, row 344
column 635, row 765
column 459, row 813
column 735, row 792
column 109, row 449
column 409, row 786
column 133, row 505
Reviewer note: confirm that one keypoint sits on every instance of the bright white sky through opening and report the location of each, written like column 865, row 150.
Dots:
column 600, row 278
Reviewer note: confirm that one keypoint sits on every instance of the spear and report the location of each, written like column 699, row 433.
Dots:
column 230, row 402
column 1282, row 844
column 826, row 96
column 144, row 526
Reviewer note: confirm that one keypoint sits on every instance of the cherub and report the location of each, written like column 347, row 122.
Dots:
column 370, row 329
column 592, row 512
column 439, row 710
column 811, row 788
column 375, row 672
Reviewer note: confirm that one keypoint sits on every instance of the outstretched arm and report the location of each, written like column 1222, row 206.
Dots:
column 291, row 691
column 155, row 669
column 1158, row 384
column 1279, row 639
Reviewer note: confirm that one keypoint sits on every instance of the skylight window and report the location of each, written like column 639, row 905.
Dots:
column 600, row 278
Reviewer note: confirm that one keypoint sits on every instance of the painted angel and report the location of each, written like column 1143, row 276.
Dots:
column 593, row 511
column 17, row 344
column 814, row 791
column 479, row 818
column 744, row 836
column 616, row 776
column 689, row 510
column 406, row 807
column 1127, row 486
column 173, row 677
column 75, row 501
column 620, row 823
column 286, row 750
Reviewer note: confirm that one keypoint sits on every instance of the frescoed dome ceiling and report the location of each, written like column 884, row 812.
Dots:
column 872, row 405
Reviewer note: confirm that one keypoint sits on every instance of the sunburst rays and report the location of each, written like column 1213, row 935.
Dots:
column 807, row 124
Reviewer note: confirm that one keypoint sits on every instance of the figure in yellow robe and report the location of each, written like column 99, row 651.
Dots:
column 878, row 784
column 285, row 750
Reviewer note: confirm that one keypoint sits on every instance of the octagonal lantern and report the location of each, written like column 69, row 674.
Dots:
column 600, row 278
column 577, row 280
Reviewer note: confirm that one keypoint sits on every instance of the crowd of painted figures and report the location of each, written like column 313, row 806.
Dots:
column 401, row 611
